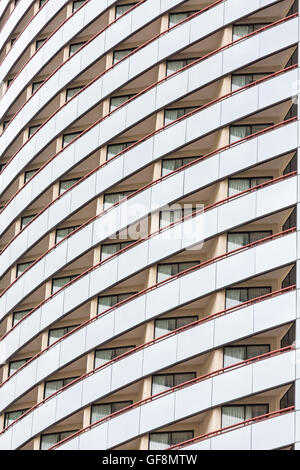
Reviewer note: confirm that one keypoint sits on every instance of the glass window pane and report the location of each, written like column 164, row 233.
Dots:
column 172, row 114
column 164, row 326
column 164, row 271
column 159, row 441
column 74, row 48
column 255, row 236
column 17, row 316
column 114, row 149
column 100, row 412
column 15, row 365
column 36, row 86
column 64, row 185
column 121, row 9
column 258, row 292
column 257, row 350
column 22, row 267
column 237, row 240
column 59, row 283
column 232, row 415
column 239, row 132
column 61, row 233
column 26, row 220
column 48, row 440
column 181, row 436
column 29, row 174
column 238, row 81
column 12, row 416
column 237, row 185
column 67, row 138
column 235, row 297
column 239, row 31
column 72, row 91
column 32, row 130
column 52, row 387
column 175, row 18
column 174, row 65
column 161, row 383
column 118, row 55
column 168, row 217
column 77, row 4
column 234, row 354
column 252, row 411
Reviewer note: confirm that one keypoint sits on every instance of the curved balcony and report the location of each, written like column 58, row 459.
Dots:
column 31, row 30
column 204, row 71
column 14, row 18
column 222, row 163
column 178, row 403
column 158, row 143
column 271, row 431
column 154, row 51
column 174, row 186
column 126, row 315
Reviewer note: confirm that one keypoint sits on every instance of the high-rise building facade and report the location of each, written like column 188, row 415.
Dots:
column 148, row 225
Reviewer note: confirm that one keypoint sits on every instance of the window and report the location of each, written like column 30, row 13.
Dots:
column 5, row 124
column 39, row 43
column 236, row 413
column 165, row 325
column 72, row 91
column 240, row 132
column 29, row 174
column 101, row 411
column 163, row 440
column 9, row 82
column 238, row 185
column 162, row 382
column 32, row 130
column 77, row 5
column 170, row 216
column 290, row 279
column 121, row 9
column 173, row 164
column 291, row 221
column 174, row 65
column 61, row 233
column 17, row 316
column 241, row 30
column 114, row 149
column 235, row 354
column 111, row 249
column 291, row 166
column 288, row 398
column 11, row 416
column 289, row 337
column 15, row 365
column 107, row 301
column 119, row 55
column 42, row 2
column 12, row 41
column 175, row 18
column 164, row 271
column 53, row 385
column 57, row 333
column 238, row 295
column 36, row 86
column 105, row 355
column 67, row 138
column 49, row 440
column 113, row 198
column 75, row 47
column 237, row 239
column 60, row 282
column 65, row 185
column 22, row 267
column 25, row 220
column 241, row 80
column 116, row 101
column 172, row 114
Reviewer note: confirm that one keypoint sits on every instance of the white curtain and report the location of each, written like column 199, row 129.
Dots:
column 63, row 232
column 12, row 416
column 233, row 355
column 161, row 383
column 52, row 387
column 175, row 18
column 240, row 31
column 55, row 334
column 163, row 326
column 59, row 283
column 238, row 133
column 72, row 91
column 235, row 297
column 48, row 440
column 174, row 65
column 172, row 114
column 116, row 101
column 236, row 240
column 118, row 55
column 67, row 138
column 232, row 415
column 121, row 9
column 237, row 185
column 238, row 81
column 103, row 356
column 114, row 149
column 109, row 250
column 19, row 315
column 64, row 185
column 100, row 412
column 164, row 271
column 159, row 441
column 168, row 217
column 15, row 365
